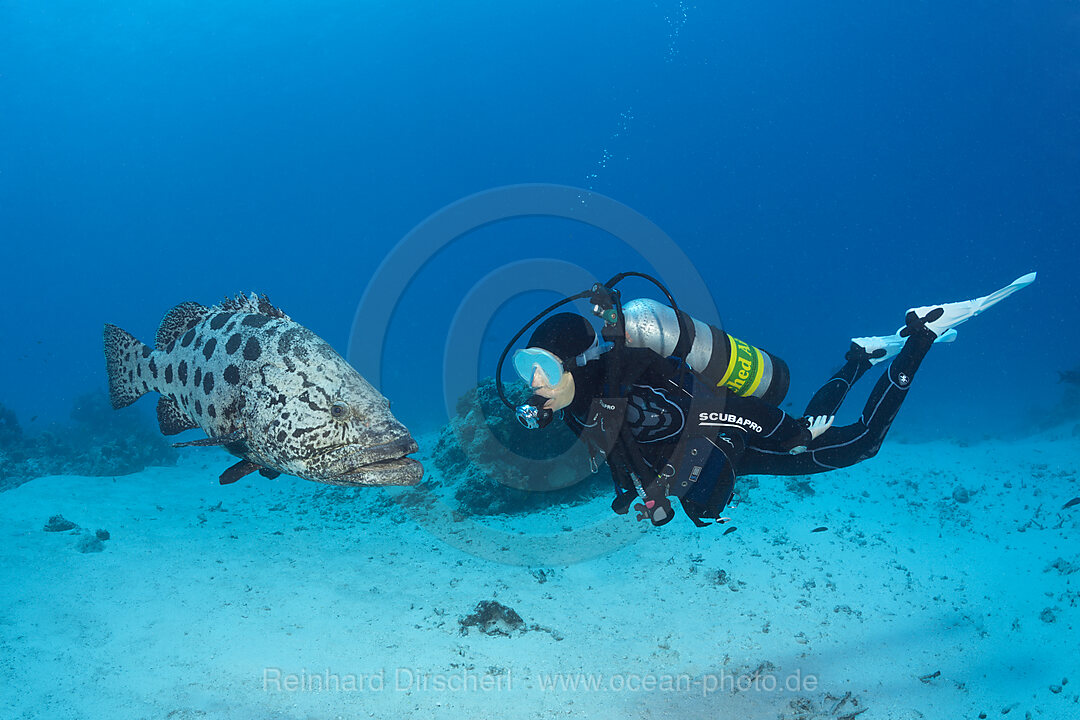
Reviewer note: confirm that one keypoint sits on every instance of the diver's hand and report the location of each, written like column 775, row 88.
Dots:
column 819, row 424
column 816, row 426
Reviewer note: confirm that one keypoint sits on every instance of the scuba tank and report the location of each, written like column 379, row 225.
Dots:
column 714, row 356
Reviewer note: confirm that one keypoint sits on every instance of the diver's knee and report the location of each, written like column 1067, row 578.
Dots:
column 869, row 452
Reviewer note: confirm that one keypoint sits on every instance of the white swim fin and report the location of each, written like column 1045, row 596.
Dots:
column 940, row 319
column 886, row 347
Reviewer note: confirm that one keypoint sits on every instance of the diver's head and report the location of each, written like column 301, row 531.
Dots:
column 553, row 350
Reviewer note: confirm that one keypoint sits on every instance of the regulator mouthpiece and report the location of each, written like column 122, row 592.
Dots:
column 533, row 415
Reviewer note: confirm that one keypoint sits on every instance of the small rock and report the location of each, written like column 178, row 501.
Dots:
column 58, row 523
column 1047, row 615
column 960, row 494
column 1056, row 689
column 102, row 535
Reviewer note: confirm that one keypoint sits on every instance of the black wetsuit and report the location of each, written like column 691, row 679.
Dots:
column 649, row 418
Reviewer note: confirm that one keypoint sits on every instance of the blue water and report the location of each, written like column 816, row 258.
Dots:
column 822, row 166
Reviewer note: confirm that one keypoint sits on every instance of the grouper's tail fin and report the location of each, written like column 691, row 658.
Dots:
column 123, row 353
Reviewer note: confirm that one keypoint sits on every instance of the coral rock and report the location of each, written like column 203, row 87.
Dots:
column 500, row 467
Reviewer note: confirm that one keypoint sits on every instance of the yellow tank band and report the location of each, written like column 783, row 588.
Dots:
column 746, row 366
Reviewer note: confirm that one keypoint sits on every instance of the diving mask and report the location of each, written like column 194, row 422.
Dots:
column 529, row 360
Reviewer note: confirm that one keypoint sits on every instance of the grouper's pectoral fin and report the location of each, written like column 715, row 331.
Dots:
column 237, row 471
column 245, row 467
column 233, row 442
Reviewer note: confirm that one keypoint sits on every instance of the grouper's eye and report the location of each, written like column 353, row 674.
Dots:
column 339, row 410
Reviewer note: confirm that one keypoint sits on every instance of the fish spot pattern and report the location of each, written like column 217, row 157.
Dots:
column 252, row 349
column 232, row 375
column 219, row 320
column 255, row 321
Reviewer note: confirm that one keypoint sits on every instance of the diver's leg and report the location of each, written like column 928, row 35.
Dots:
column 830, row 396
column 850, row 444
column 840, row 447
column 846, row 445
column 865, row 352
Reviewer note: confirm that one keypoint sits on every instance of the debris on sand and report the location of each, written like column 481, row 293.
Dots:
column 493, row 618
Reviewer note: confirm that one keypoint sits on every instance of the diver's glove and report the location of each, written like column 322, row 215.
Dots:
column 657, row 510
column 816, row 425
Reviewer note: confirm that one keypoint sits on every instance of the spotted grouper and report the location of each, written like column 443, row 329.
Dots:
column 268, row 390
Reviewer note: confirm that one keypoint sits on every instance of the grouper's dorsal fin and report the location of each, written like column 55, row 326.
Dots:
column 255, row 304
column 178, row 321
column 171, row 418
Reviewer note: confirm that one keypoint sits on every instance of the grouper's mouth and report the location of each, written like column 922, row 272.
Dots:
column 403, row 471
column 385, row 464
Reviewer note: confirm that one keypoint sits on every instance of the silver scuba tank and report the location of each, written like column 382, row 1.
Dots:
column 714, row 356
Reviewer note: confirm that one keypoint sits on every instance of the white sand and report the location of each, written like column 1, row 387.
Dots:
column 189, row 604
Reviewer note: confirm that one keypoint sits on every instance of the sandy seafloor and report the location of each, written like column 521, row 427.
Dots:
column 203, row 593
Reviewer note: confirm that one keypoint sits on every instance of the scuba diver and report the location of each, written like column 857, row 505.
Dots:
column 680, row 409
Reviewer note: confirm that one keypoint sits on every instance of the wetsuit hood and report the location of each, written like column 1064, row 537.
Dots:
column 566, row 335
